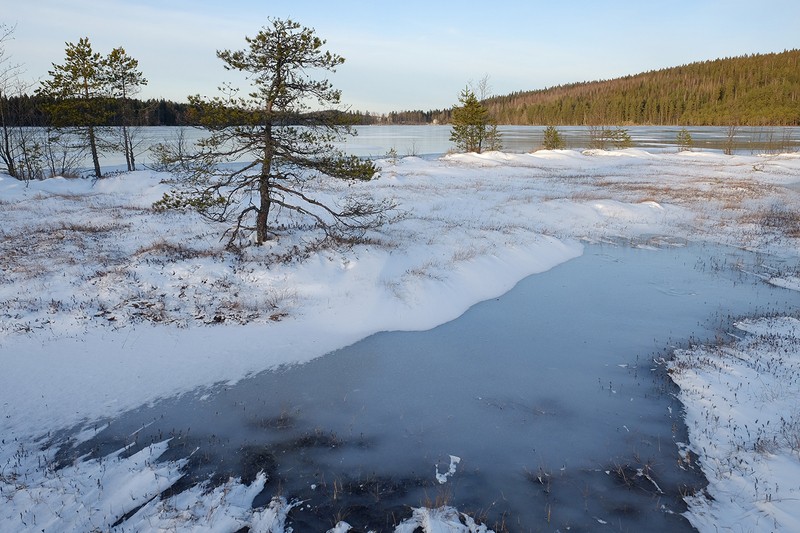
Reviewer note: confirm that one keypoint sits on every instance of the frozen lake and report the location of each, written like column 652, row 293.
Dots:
column 433, row 141
column 549, row 395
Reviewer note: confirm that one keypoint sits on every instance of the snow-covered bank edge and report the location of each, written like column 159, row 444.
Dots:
column 121, row 494
column 124, row 492
column 742, row 406
column 112, row 370
column 108, row 371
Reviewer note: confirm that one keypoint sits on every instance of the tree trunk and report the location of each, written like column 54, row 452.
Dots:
column 7, row 153
column 126, row 142
column 7, row 150
column 263, row 210
column 264, row 185
column 95, row 158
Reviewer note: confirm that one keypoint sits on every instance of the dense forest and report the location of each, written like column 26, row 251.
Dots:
column 31, row 111
column 762, row 89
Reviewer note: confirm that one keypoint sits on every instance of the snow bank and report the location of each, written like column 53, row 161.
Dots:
column 743, row 413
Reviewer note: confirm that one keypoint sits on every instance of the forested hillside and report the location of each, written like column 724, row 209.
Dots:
column 762, row 89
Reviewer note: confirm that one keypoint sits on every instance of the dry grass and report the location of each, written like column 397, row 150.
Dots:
column 776, row 218
column 699, row 190
column 87, row 228
column 163, row 251
column 587, row 196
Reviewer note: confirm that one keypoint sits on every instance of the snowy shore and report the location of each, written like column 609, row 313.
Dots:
column 107, row 305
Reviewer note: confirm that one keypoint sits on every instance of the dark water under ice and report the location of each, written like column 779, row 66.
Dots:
column 549, row 395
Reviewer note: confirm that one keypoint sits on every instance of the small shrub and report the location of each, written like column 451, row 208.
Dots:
column 493, row 141
column 684, row 140
column 601, row 137
column 391, row 155
column 730, row 138
column 774, row 143
column 172, row 156
column 553, row 139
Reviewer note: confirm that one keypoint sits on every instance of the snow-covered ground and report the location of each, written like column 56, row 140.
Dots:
column 743, row 412
column 106, row 305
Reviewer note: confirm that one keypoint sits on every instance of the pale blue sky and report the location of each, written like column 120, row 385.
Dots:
column 410, row 54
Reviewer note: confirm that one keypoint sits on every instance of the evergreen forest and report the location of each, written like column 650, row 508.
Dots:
column 752, row 90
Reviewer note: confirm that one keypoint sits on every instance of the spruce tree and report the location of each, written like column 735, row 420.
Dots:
column 684, row 140
column 76, row 92
column 472, row 128
column 553, row 139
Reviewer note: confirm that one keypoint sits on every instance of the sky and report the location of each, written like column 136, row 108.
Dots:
column 406, row 55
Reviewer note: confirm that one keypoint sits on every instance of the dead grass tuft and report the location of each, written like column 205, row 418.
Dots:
column 587, row 196
column 90, row 228
column 167, row 252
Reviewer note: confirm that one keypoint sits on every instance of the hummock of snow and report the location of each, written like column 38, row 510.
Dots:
column 106, row 305
column 440, row 520
column 442, row 477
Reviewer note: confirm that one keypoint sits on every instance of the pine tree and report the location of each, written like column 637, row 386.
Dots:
column 285, row 144
column 124, row 79
column 472, row 129
column 77, row 90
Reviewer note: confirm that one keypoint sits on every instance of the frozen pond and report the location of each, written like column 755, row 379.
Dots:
column 549, row 396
